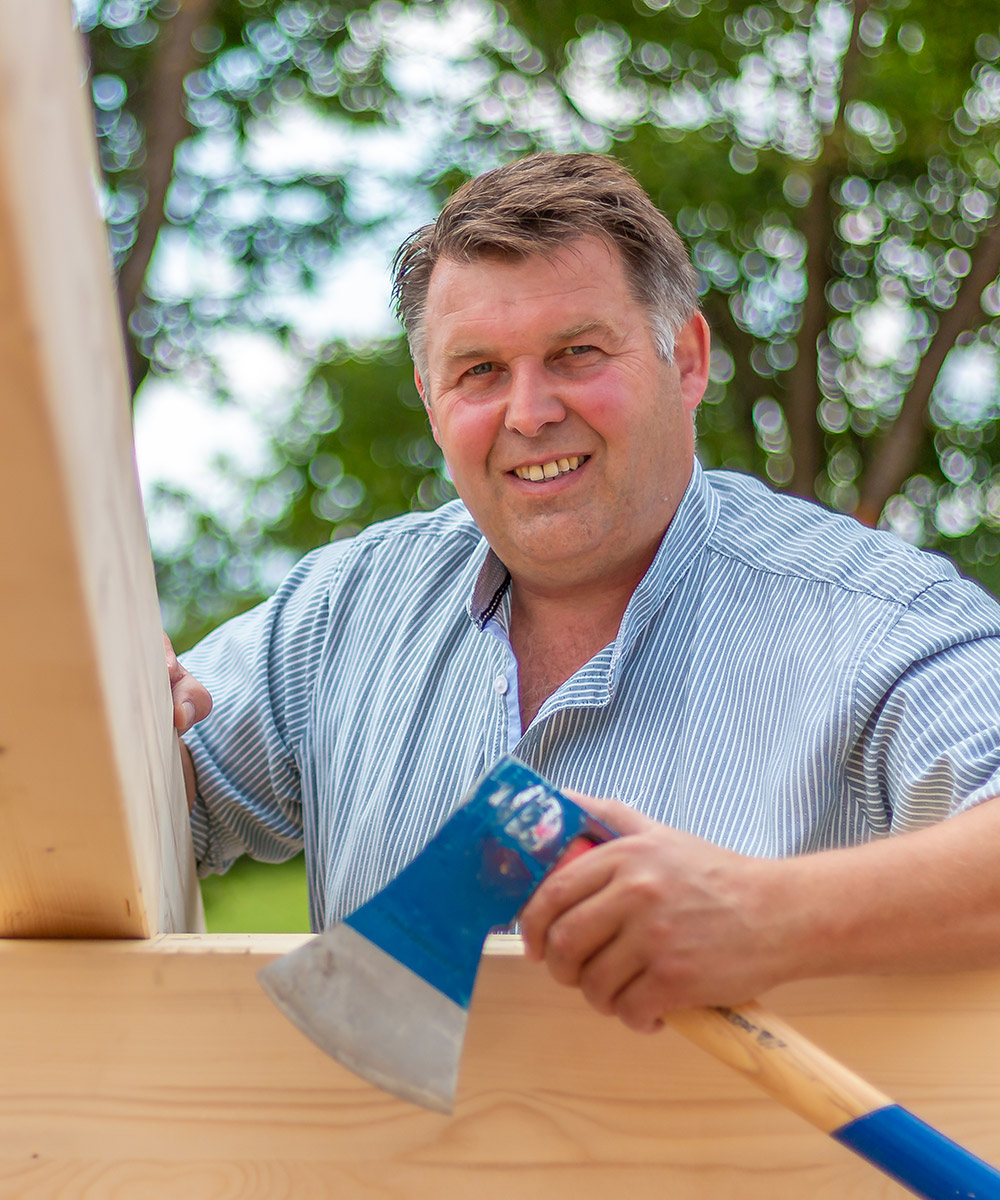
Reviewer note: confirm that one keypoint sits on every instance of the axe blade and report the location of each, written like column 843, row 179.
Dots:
column 386, row 992
column 363, row 1007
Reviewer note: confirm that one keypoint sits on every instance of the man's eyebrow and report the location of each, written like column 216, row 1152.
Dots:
column 462, row 353
column 569, row 334
column 576, row 331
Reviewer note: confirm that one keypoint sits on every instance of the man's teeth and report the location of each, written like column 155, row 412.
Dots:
column 549, row 470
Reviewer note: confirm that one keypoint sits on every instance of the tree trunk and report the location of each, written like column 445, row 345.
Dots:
column 803, row 395
column 897, row 454
column 165, row 127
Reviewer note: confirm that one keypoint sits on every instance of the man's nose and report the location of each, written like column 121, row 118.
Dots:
column 532, row 400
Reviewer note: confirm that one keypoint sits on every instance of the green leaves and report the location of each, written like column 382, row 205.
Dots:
column 833, row 166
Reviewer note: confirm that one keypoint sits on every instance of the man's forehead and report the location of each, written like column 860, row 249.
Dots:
column 567, row 294
column 577, row 252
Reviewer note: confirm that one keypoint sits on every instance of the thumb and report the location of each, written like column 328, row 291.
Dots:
column 614, row 814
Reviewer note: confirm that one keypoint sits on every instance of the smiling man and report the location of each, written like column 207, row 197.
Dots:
column 801, row 716
column 567, row 434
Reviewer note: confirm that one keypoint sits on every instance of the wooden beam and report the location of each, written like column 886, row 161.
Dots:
column 95, row 838
column 160, row 1068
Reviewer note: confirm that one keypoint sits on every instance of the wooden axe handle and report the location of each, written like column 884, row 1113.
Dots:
column 803, row 1078
column 780, row 1061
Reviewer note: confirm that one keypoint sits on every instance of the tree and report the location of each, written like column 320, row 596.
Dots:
column 833, row 167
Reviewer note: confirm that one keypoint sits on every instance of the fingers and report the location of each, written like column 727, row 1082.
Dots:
column 614, row 814
column 174, row 668
column 583, row 927
column 616, row 982
column 577, row 937
column 638, row 1005
column 191, row 700
column 649, row 922
column 192, row 703
column 561, row 892
column 184, row 714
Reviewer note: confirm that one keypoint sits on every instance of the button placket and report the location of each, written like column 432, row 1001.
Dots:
column 505, row 691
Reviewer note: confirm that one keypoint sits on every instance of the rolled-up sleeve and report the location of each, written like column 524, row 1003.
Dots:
column 931, row 747
column 260, row 669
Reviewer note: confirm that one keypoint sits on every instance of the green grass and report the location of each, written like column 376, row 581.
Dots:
column 255, row 897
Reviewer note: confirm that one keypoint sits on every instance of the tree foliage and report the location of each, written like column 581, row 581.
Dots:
column 832, row 165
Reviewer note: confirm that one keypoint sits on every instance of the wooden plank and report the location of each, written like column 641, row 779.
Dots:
column 159, row 1068
column 95, row 836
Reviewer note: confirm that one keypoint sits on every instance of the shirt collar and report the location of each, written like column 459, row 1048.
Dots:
column 683, row 541
column 686, row 534
column 491, row 586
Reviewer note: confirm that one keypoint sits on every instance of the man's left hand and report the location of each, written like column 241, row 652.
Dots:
column 655, row 920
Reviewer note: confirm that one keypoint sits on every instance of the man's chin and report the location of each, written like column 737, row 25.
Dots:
column 562, row 563
column 547, row 540
column 561, row 553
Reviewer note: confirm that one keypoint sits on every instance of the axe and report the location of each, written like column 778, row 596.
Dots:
column 386, row 991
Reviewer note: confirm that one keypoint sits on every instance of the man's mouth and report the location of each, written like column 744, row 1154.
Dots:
column 549, row 470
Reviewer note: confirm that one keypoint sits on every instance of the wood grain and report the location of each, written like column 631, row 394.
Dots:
column 149, row 1068
column 95, row 837
column 775, row 1057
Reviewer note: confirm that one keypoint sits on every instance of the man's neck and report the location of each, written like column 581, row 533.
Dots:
column 553, row 634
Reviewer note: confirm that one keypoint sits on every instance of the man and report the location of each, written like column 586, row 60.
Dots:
column 770, row 689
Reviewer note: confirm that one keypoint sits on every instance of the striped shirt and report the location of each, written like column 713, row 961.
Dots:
column 783, row 680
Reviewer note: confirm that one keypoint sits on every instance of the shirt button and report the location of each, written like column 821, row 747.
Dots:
column 500, row 685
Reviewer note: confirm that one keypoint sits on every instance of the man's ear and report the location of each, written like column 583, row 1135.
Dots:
column 427, row 404
column 692, row 351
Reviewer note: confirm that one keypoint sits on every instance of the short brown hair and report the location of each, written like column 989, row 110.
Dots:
column 535, row 205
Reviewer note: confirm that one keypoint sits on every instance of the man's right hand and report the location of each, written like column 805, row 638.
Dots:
column 192, row 703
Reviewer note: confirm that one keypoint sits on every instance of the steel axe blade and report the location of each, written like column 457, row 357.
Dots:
column 368, row 1011
column 386, row 992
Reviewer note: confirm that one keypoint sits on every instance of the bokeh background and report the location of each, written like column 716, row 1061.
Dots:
column 833, row 166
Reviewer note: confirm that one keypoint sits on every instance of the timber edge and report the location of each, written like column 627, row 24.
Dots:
column 128, row 1064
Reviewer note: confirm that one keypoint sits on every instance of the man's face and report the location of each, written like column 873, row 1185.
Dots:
column 569, row 439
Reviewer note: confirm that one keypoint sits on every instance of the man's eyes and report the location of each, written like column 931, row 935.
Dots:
column 487, row 368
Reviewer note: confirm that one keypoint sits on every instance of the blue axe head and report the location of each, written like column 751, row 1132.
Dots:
column 386, row 991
